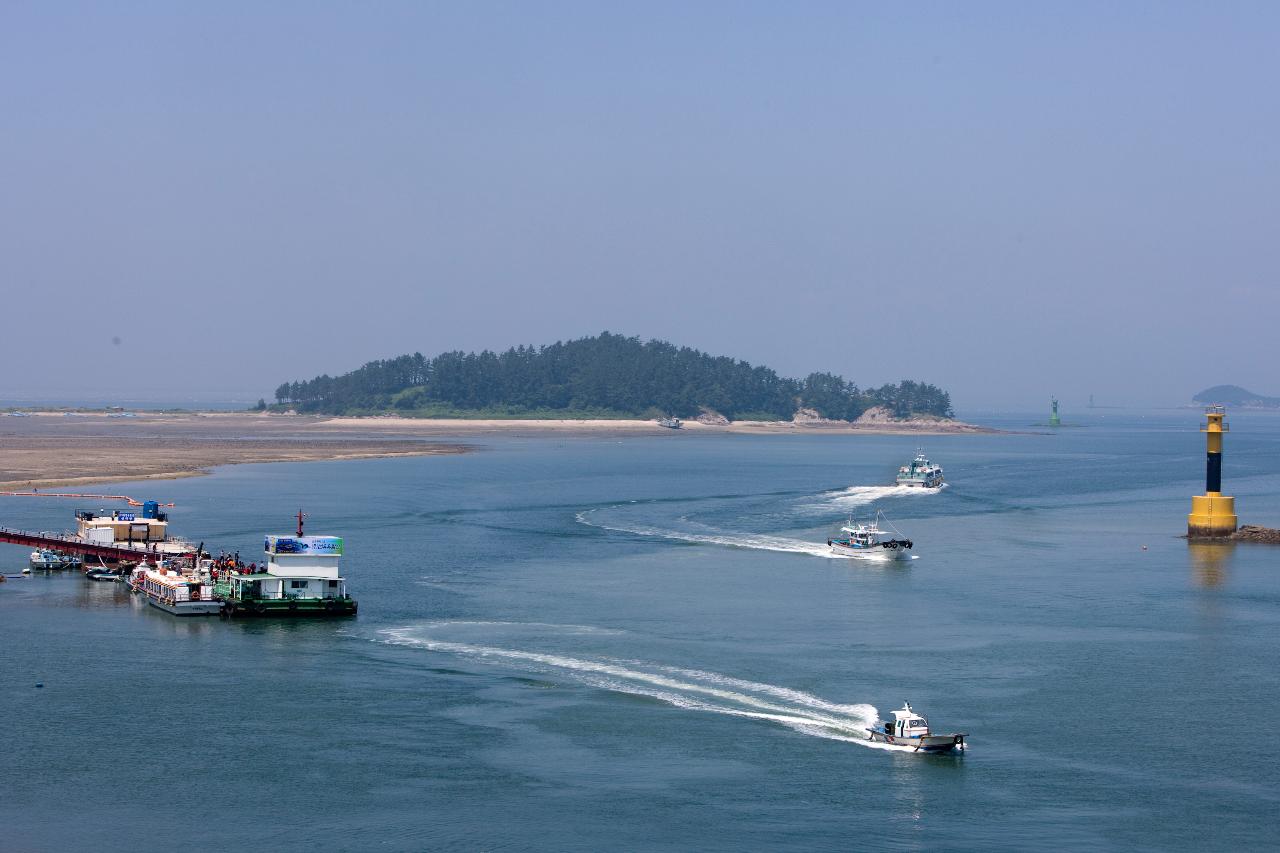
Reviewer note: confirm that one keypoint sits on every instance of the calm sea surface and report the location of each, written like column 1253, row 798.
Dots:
column 587, row 644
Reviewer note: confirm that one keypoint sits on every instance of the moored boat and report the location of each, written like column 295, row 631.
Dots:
column 300, row 578
column 866, row 540
column 910, row 729
column 921, row 473
column 671, row 422
column 176, row 593
column 45, row 559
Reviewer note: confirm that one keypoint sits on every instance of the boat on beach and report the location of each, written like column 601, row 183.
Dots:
column 866, row 540
column 921, row 473
column 670, row 422
column 910, row 728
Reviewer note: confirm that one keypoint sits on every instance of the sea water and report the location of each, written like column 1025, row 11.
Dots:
column 643, row 643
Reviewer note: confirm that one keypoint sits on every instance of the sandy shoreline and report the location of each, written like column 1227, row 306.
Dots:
column 471, row 427
column 49, row 449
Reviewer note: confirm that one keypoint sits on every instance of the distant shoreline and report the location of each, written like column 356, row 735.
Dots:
column 48, row 450
column 443, row 426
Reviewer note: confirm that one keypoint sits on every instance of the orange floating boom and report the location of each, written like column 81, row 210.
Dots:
column 130, row 501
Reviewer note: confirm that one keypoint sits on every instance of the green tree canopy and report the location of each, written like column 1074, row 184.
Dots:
column 605, row 374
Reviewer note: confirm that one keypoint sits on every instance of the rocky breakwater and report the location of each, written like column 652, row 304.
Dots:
column 881, row 418
column 1254, row 533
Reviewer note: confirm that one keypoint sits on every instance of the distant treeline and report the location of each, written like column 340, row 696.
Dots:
column 604, row 376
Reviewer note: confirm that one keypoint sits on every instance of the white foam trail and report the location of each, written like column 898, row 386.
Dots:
column 751, row 541
column 856, row 496
column 690, row 689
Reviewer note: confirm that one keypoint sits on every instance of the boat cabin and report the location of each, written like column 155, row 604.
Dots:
column 907, row 723
column 860, row 536
column 301, row 568
column 171, row 587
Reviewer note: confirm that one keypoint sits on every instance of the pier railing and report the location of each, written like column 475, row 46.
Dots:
column 69, row 545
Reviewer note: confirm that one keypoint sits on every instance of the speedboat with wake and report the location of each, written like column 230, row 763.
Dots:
column 910, row 728
column 864, row 540
column 921, row 473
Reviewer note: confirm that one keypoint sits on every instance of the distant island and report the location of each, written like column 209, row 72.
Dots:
column 605, row 376
column 1234, row 395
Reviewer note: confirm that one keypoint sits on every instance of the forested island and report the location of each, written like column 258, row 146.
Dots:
column 1234, row 395
column 605, row 376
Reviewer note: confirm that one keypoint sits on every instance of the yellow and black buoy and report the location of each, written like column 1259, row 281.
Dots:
column 1213, row 513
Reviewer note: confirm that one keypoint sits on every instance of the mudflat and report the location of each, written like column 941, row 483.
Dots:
column 55, row 449
column 46, row 450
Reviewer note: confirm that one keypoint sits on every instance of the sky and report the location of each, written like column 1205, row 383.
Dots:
column 1009, row 200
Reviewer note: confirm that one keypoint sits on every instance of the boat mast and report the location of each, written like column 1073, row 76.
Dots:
column 301, row 515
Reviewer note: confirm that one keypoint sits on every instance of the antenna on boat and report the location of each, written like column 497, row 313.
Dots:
column 301, row 516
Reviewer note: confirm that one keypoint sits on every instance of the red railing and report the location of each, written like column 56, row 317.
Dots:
column 67, row 545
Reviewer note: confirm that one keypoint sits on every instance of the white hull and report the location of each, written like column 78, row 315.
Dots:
column 921, row 484
column 187, row 608
column 928, row 743
column 875, row 552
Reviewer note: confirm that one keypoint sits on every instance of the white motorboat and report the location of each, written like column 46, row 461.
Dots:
column 909, row 728
column 921, row 473
column 866, row 540
column 45, row 559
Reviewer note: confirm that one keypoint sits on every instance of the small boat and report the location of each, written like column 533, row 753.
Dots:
column 920, row 473
column 909, row 728
column 102, row 575
column 46, row 559
column 670, row 423
column 865, row 540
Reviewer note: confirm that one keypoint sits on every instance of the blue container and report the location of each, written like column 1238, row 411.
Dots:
column 150, row 509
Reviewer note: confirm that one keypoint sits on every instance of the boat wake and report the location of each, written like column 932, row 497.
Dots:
column 751, row 541
column 856, row 496
column 688, row 689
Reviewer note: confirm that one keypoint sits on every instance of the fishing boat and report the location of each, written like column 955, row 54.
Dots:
column 47, row 560
column 865, row 540
column 910, row 728
column 921, row 473
column 670, row 423
column 300, row 578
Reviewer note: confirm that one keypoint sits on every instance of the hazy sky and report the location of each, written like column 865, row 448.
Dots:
column 1009, row 200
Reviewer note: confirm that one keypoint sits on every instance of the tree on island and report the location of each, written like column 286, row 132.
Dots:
column 603, row 376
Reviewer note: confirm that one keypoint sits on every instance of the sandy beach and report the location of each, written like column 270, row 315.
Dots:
column 52, row 449
column 419, row 426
